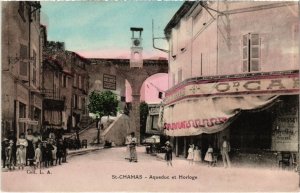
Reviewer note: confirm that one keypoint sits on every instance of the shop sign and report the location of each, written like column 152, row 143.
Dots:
column 267, row 84
column 154, row 110
column 37, row 101
column 109, row 82
column 285, row 128
column 28, row 121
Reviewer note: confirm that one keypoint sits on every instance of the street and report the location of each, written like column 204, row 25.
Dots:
column 107, row 170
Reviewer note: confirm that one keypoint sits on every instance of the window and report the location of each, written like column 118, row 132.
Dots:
column 79, row 102
column 75, row 101
column 23, row 64
column 79, row 82
column 154, row 125
column 74, row 80
column 251, row 52
column 21, row 10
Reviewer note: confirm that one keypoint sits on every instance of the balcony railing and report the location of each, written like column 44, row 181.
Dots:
column 52, row 94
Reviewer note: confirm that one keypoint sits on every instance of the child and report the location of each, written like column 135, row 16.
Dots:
column 197, row 154
column 5, row 145
column 54, row 151
column 44, row 155
column 168, row 155
column 21, row 156
column 191, row 154
column 60, row 151
column 209, row 155
column 10, row 159
column 38, row 155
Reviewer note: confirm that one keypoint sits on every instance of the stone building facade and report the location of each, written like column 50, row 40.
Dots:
column 80, row 87
column 233, row 71
column 21, row 66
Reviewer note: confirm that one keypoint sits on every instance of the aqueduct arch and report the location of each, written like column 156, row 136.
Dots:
column 136, row 78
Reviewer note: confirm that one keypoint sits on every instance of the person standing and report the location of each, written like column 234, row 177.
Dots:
column 128, row 141
column 10, row 155
column 38, row 155
column 225, row 148
column 209, row 155
column 132, row 146
column 60, row 151
column 4, row 147
column 197, row 154
column 30, row 147
column 21, row 156
column 190, row 156
column 168, row 156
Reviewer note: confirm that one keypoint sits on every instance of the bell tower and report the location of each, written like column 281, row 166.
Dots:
column 136, row 59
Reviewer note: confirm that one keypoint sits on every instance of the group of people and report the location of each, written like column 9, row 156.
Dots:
column 31, row 150
column 195, row 154
column 131, row 142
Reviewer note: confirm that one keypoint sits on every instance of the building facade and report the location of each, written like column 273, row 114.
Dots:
column 233, row 71
column 21, row 66
column 80, row 87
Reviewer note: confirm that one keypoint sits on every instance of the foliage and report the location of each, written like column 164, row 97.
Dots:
column 143, row 116
column 103, row 103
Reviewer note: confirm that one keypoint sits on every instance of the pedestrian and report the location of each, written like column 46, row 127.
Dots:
column 190, row 156
column 44, row 154
column 209, row 155
column 22, row 140
column 4, row 146
column 53, row 152
column 132, row 146
column 60, row 151
column 127, row 142
column 48, row 153
column 38, row 155
column 225, row 148
column 168, row 156
column 30, row 147
column 21, row 156
column 197, row 155
column 10, row 155
column 65, row 153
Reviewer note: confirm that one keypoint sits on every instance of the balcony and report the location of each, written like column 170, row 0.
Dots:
column 53, row 100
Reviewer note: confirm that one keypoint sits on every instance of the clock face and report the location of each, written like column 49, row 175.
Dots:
column 136, row 42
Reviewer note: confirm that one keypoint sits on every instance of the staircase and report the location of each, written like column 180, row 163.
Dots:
column 116, row 132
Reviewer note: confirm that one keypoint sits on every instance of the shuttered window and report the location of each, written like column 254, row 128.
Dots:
column 251, row 53
column 34, row 69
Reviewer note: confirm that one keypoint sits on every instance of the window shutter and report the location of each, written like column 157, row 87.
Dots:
column 255, row 52
column 245, row 53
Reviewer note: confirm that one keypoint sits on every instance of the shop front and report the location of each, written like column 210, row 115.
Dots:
column 258, row 113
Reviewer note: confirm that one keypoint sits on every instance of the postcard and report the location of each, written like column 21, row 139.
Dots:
column 150, row 96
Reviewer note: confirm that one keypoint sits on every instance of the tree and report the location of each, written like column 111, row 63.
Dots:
column 103, row 104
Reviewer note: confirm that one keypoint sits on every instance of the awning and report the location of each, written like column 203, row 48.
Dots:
column 210, row 104
column 208, row 115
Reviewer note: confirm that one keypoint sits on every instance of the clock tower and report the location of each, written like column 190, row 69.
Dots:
column 136, row 59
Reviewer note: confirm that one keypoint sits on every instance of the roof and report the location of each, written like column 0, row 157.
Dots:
column 185, row 7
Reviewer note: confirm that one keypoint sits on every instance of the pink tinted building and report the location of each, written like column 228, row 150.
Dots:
column 233, row 71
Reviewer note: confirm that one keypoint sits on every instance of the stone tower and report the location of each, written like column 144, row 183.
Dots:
column 136, row 59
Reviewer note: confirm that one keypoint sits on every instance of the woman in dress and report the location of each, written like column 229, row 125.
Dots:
column 209, row 155
column 190, row 156
column 197, row 155
column 132, row 146
column 30, row 148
